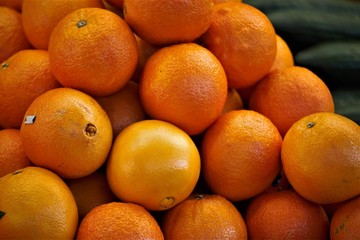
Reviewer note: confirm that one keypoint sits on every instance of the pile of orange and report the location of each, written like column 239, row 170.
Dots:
column 158, row 119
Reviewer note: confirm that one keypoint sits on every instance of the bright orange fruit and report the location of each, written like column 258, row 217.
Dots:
column 67, row 131
column 153, row 163
column 240, row 154
column 321, row 157
column 288, row 95
column 23, row 77
column 93, row 50
column 163, row 22
column 35, row 203
column 118, row 220
column 345, row 222
column 285, row 215
column 204, row 217
column 244, row 40
column 185, row 85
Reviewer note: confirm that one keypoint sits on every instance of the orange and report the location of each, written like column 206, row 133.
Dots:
column 244, row 41
column 119, row 220
column 145, row 50
column 93, row 50
column 185, row 85
column 284, row 57
column 35, row 203
column 12, row 154
column 163, row 22
column 41, row 16
column 285, row 215
column 321, row 157
column 67, row 131
column 233, row 101
column 14, row 4
column 123, row 107
column 153, row 163
column 204, row 217
column 12, row 36
column 90, row 191
column 345, row 222
column 286, row 96
column 240, row 154
column 23, row 77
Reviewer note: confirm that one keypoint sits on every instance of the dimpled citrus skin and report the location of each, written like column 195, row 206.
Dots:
column 284, row 214
column 288, row 95
column 185, row 85
column 204, row 216
column 240, row 154
column 71, row 134
column 164, row 22
column 118, row 220
column 93, row 50
column 321, row 157
column 244, row 41
column 36, row 204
